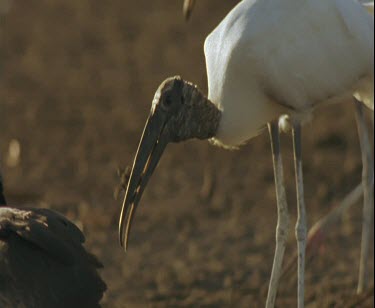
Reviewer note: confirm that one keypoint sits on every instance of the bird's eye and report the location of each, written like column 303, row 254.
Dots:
column 167, row 102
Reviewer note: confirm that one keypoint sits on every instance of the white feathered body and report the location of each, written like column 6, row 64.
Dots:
column 271, row 57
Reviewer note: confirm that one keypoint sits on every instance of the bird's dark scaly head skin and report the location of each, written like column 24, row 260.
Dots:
column 179, row 112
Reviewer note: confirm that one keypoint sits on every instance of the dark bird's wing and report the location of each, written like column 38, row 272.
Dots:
column 44, row 263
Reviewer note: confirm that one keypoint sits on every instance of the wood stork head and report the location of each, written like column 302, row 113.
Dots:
column 179, row 112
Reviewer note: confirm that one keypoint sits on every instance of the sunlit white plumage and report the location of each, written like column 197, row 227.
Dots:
column 303, row 54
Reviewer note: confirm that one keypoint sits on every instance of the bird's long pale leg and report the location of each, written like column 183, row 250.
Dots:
column 301, row 228
column 283, row 215
column 368, row 190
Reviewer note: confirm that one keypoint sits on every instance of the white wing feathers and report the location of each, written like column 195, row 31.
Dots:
column 289, row 52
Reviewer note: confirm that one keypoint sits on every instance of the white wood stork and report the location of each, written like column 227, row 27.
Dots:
column 327, row 222
column 43, row 263
column 266, row 59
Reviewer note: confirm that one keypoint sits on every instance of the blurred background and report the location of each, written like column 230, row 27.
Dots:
column 76, row 83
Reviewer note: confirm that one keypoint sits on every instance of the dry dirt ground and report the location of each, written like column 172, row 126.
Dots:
column 77, row 79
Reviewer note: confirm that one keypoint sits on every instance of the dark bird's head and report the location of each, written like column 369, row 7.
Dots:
column 179, row 112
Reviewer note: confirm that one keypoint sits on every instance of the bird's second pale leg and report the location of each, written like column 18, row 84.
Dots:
column 301, row 228
column 283, row 216
column 368, row 190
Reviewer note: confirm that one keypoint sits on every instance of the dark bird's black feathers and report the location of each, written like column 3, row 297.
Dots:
column 43, row 262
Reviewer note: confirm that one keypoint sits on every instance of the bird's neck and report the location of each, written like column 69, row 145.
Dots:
column 202, row 116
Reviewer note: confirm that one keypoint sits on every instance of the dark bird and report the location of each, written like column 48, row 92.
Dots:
column 43, row 263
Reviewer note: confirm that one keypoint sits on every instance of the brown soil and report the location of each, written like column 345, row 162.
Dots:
column 76, row 86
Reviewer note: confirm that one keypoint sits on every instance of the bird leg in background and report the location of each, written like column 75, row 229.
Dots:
column 368, row 191
column 209, row 178
column 282, row 211
column 188, row 7
column 320, row 231
column 301, row 228
column 124, row 176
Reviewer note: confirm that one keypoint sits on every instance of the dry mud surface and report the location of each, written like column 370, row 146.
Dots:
column 77, row 79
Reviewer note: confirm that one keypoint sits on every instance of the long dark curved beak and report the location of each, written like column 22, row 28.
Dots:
column 151, row 147
column 188, row 8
